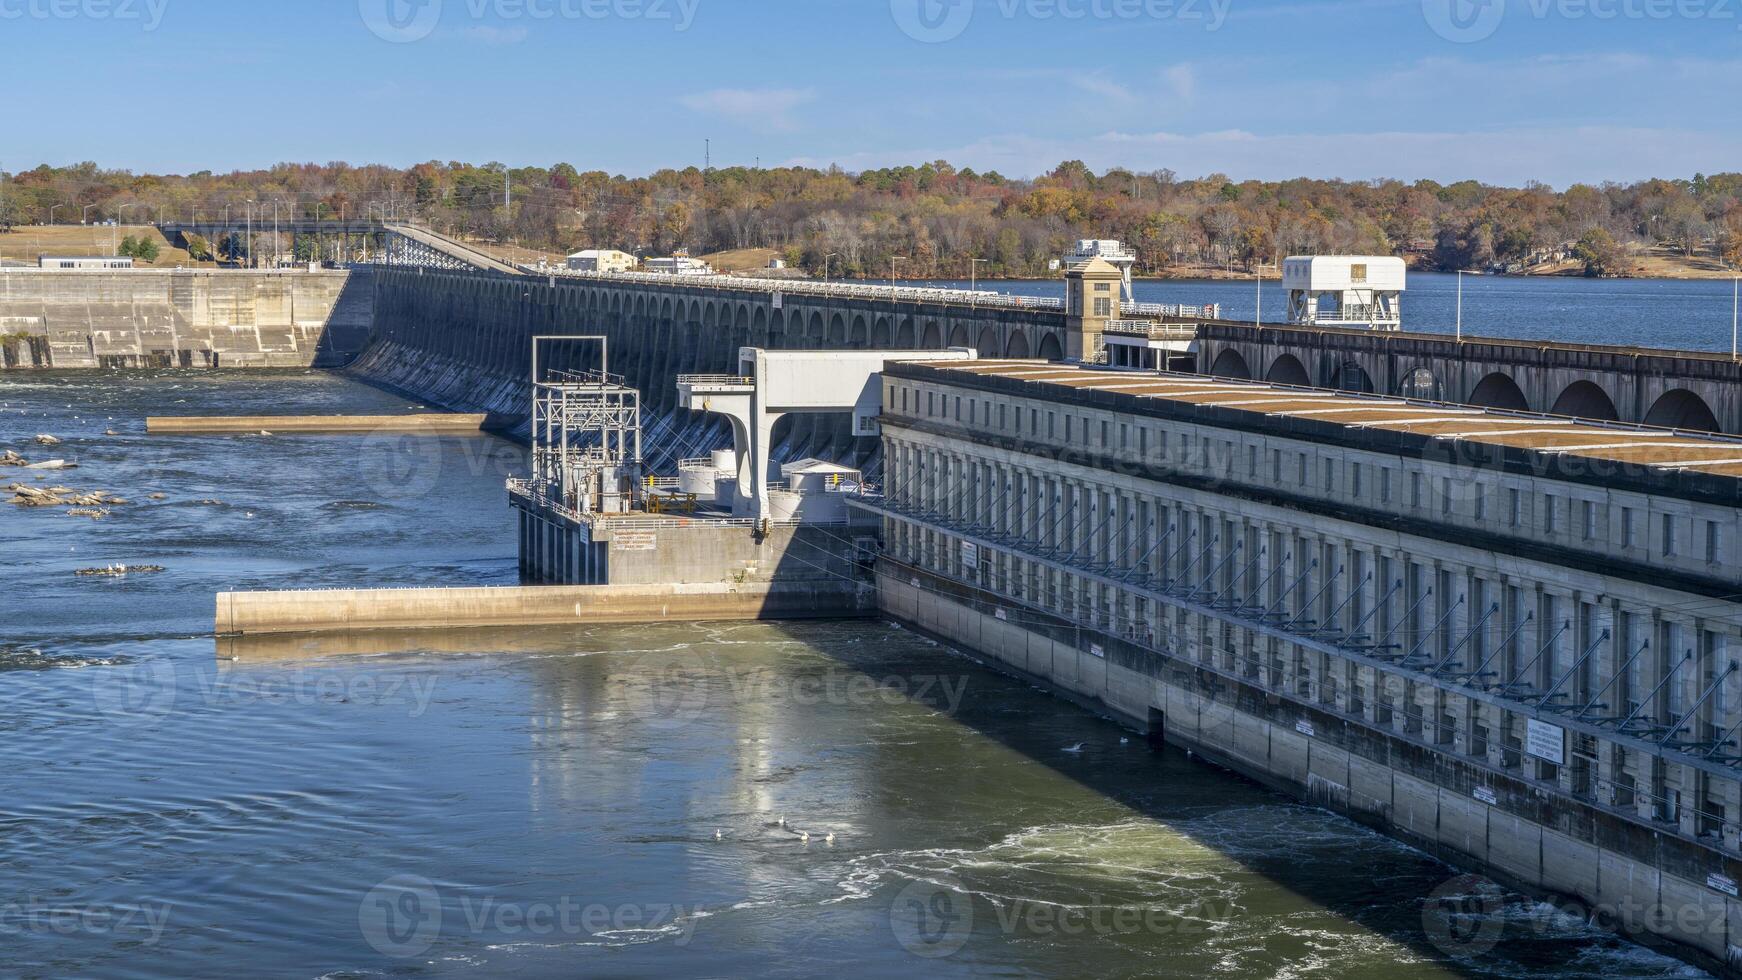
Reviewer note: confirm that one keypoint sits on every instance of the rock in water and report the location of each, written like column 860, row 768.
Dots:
column 46, row 440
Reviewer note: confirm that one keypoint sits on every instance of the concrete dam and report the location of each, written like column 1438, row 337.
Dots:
column 53, row 318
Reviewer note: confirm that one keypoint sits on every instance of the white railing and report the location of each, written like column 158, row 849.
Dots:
column 1211, row 311
column 734, row 380
column 1153, row 330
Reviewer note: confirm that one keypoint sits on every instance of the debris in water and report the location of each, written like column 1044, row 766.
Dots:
column 157, row 496
column 46, row 440
column 10, row 458
column 116, row 571
column 94, row 513
column 52, row 464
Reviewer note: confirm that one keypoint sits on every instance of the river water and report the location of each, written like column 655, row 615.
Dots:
column 624, row 801
column 1681, row 314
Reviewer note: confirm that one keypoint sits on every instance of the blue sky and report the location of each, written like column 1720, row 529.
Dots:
column 1498, row 90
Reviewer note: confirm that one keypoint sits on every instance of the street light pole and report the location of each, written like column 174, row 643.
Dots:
column 1735, row 296
column 826, row 259
column 1460, row 326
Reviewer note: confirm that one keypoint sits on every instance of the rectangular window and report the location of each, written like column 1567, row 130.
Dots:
column 1446, row 495
column 1549, row 513
column 1276, row 466
column 1049, row 425
column 1070, row 421
column 1626, row 527
column 1301, row 470
column 1385, row 484
column 1713, row 541
column 1480, row 504
column 1669, row 544
column 1589, row 507
column 1514, row 507
column 1415, row 489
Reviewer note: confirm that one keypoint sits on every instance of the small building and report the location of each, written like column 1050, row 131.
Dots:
column 84, row 262
column 1110, row 251
column 1345, row 290
column 679, row 265
column 602, row 260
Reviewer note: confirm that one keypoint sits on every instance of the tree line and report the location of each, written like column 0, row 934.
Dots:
column 932, row 220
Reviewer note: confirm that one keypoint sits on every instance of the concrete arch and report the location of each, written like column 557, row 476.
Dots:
column 904, row 334
column 1051, row 349
column 1231, row 364
column 932, row 339
column 665, row 308
column 1349, row 375
column 759, row 327
column 860, row 336
column 813, row 336
column 881, row 335
column 1680, row 408
column 742, row 321
column 959, row 336
column 1423, row 384
column 988, row 344
column 1586, row 400
column 1498, row 390
column 695, row 311
column 837, row 331
column 1288, row 370
column 1017, row 345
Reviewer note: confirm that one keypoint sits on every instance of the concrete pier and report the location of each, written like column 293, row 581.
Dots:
column 435, row 424
column 256, row 613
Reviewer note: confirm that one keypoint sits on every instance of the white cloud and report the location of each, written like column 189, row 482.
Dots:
column 766, row 110
column 1557, row 156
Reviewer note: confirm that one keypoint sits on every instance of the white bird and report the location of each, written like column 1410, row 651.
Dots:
column 805, row 836
column 780, row 820
column 831, row 838
column 1124, row 741
column 716, row 835
column 1074, row 748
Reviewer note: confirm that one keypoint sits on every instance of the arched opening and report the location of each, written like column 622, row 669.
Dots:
column 1498, row 390
column 904, row 334
column 880, row 336
column 1585, row 400
column 988, row 345
column 1288, row 370
column 1018, row 346
column 1350, row 376
column 861, row 334
column 932, row 339
column 1682, row 409
column 813, row 337
column 1051, row 349
column 837, row 331
column 959, row 336
column 1421, row 383
column 1231, row 364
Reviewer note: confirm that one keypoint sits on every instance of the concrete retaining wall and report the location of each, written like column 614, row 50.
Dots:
column 182, row 318
column 249, row 613
column 291, row 424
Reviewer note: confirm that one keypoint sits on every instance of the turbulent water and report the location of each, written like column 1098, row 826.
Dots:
column 624, row 801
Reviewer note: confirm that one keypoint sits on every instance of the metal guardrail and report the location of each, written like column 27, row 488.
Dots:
column 1210, row 311
column 526, row 490
column 912, row 294
column 1153, row 330
column 734, row 380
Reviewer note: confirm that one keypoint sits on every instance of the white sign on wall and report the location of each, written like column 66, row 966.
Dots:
column 970, row 554
column 1545, row 741
column 779, row 299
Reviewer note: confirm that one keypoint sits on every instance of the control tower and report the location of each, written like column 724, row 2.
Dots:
column 1114, row 253
column 1363, row 291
